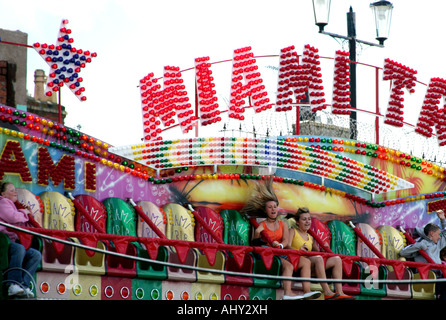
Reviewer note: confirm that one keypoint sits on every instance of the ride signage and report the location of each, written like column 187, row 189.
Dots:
column 299, row 76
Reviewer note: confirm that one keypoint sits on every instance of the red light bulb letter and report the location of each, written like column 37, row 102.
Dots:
column 152, row 100
column 341, row 83
column 176, row 100
column 401, row 77
column 288, row 84
column 431, row 115
column 244, row 66
column 207, row 100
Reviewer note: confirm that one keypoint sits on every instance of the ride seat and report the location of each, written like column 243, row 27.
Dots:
column 343, row 241
column 58, row 214
column 180, row 226
column 158, row 217
column 121, row 220
column 215, row 221
column 237, row 231
column 85, row 261
column 392, row 243
column 371, row 272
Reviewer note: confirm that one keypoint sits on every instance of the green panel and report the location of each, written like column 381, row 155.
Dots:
column 257, row 293
column 371, row 289
column 343, row 238
column 237, row 229
column 150, row 270
column 144, row 289
column 361, row 297
column 260, row 268
column 121, row 217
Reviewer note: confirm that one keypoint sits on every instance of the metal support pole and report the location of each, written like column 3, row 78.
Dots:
column 352, row 41
column 377, row 105
column 297, row 119
column 196, row 110
column 351, row 33
column 60, row 107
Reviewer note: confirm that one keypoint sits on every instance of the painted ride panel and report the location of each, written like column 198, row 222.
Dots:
column 32, row 202
column 209, row 257
column 322, row 232
column 146, row 289
column 86, row 286
column 392, row 243
column 158, row 217
column 180, row 226
column 94, row 209
column 154, row 213
column 371, row 272
column 234, row 292
column 121, row 220
column 58, row 215
column 343, row 241
column 237, row 231
column 53, row 285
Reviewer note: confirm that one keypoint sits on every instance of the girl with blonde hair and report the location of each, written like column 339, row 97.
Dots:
column 265, row 204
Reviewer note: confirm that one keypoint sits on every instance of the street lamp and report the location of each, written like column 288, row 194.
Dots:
column 321, row 10
column 383, row 15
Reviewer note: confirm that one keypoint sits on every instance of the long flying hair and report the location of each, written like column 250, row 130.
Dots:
column 263, row 193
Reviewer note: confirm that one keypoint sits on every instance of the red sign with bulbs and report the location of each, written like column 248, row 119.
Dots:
column 299, row 77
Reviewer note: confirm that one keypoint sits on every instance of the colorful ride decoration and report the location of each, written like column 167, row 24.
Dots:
column 270, row 152
column 94, row 214
column 58, row 211
column 32, row 202
column 66, row 62
column 156, row 215
column 436, row 205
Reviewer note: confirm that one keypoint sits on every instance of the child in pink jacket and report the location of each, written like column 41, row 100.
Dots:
column 19, row 257
column 10, row 214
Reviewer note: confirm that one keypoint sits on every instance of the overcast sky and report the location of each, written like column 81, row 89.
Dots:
column 134, row 38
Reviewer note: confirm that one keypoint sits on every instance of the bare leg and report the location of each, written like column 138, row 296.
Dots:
column 287, row 271
column 336, row 264
column 319, row 268
column 305, row 272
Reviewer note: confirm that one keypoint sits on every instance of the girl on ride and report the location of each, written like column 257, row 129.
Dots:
column 264, row 204
column 299, row 239
column 19, row 257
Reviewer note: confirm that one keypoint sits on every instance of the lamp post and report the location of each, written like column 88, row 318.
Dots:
column 383, row 16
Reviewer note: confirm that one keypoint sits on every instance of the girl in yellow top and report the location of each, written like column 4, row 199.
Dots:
column 300, row 239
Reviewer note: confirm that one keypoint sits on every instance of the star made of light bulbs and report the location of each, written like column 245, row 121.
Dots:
column 66, row 62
